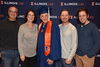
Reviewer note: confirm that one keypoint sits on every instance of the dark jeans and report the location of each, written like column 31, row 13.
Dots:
column 10, row 58
column 61, row 63
column 29, row 62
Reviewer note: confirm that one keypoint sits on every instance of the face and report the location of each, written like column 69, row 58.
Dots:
column 83, row 17
column 12, row 13
column 44, row 17
column 64, row 16
column 30, row 16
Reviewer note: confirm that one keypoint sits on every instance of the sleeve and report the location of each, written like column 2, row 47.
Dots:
column 96, row 41
column 36, row 31
column 0, row 33
column 20, row 41
column 55, row 53
column 74, row 39
column 36, row 35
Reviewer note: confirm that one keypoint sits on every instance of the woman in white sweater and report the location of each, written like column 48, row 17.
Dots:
column 27, row 40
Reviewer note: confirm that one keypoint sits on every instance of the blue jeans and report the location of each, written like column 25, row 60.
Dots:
column 61, row 63
column 10, row 58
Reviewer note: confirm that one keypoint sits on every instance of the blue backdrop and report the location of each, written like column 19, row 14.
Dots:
column 55, row 6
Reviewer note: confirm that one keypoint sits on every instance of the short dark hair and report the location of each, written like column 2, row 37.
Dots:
column 14, row 7
column 30, row 10
column 82, row 9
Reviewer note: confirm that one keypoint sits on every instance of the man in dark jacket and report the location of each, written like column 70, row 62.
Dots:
column 8, row 39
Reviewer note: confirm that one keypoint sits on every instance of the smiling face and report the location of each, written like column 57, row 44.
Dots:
column 64, row 16
column 30, row 16
column 12, row 13
column 44, row 17
column 83, row 16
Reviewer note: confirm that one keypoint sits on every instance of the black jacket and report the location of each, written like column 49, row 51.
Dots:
column 8, row 34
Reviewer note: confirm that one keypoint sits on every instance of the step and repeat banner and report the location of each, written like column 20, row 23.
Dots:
column 55, row 7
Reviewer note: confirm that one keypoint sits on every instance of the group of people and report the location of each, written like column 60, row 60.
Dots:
column 48, row 44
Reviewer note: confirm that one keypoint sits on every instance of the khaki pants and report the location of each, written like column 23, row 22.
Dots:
column 84, row 61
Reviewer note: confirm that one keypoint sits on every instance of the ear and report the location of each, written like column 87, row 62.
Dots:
column 87, row 16
column 40, row 17
column 59, row 17
column 70, row 16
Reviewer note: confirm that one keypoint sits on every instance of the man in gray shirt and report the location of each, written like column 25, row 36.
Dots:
column 68, row 35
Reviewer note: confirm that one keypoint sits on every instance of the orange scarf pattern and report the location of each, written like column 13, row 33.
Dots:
column 47, row 37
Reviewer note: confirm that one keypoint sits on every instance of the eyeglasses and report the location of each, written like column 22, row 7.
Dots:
column 13, row 11
column 30, row 15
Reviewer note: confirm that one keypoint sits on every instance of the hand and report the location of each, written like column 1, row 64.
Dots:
column 50, row 61
column 22, row 58
column 68, row 61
